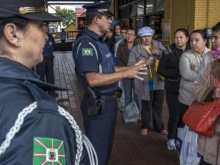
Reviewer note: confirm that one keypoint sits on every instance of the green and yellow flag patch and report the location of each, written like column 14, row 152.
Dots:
column 48, row 151
column 87, row 52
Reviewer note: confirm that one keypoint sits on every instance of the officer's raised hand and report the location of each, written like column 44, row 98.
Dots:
column 137, row 70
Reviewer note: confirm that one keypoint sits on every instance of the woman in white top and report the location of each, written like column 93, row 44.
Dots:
column 189, row 69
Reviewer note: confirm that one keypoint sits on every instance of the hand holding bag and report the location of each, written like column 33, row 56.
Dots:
column 201, row 117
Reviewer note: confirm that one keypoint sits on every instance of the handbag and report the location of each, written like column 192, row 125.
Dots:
column 201, row 117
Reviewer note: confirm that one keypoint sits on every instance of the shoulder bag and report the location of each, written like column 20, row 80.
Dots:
column 201, row 117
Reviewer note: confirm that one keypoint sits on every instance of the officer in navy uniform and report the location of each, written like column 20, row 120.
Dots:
column 97, row 72
column 45, row 68
column 32, row 128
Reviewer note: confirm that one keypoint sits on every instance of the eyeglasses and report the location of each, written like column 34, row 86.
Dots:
column 130, row 34
column 215, row 37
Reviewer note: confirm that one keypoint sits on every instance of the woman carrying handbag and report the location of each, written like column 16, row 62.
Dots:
column 204, row 90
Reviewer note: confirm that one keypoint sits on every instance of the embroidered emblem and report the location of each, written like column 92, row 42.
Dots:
column 87, row 52
column 48, row 151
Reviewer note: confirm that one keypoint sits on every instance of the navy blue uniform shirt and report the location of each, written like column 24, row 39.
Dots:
column 49, row 44
column 89, row 52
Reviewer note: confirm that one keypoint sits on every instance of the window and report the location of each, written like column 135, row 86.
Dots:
column 140, row 9
column 159, row 5
column 150, row 6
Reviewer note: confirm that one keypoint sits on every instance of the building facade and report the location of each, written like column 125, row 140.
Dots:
column 168, row 15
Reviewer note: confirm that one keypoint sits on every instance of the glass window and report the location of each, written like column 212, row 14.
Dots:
column 139, row 23
column 150, row 6
column 140, row 9
column 159, row 5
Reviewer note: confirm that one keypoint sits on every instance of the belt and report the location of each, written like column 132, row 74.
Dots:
column 112, row 97
column 108, row 98
column 49, row 57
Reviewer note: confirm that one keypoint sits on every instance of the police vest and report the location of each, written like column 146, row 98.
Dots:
column 106, row 64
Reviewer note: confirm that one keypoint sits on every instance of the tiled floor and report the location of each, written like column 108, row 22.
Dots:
column 130, row 148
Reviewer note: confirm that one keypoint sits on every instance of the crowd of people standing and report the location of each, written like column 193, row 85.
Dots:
column 174, row 73
column 183, row 72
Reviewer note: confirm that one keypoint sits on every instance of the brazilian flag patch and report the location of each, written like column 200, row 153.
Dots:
column 87, row 52
column 48, row 151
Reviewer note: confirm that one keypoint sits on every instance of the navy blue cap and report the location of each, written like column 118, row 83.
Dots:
column 29, row 9
column 101, row 7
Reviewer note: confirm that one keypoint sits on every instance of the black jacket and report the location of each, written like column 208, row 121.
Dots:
column 169, row 67
column 19, row 88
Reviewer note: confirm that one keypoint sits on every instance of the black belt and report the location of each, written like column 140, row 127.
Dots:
column 112, row 97
column 108, row 98
column 48, row 57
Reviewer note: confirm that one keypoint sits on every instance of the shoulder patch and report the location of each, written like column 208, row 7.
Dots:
column 48, row 150
column 87, row 51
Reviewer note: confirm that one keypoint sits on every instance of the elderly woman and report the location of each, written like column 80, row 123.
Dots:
column 32, row 129
column 189, row 69
column 204, row 89
column 151, row 90
column 169, row 68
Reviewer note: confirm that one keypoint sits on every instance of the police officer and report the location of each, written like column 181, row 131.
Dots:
column 33, row 129
column 45, row 68
column 100, row 77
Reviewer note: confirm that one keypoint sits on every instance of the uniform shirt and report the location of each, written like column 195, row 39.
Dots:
column 40, row 125
column 89, row 53
column 49, row 44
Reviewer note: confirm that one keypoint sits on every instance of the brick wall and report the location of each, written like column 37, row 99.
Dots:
column 191, row 14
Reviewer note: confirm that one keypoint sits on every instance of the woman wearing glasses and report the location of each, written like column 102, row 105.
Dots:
column 151, row 90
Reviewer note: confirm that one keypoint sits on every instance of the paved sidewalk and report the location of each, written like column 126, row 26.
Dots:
column 130, row 148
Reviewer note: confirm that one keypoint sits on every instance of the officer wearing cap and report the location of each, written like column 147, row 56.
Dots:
column 31, row 123
column 45, row 68
column 99, row 76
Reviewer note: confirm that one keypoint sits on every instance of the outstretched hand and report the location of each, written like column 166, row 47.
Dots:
column 137, row 70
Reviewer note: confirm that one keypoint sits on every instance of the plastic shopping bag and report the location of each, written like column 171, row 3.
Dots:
column 187, row 146
column 131, row 113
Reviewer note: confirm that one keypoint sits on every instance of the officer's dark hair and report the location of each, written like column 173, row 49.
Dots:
column 131, row 28
column 91, row 15
column 186, row 33
column 201, row 32
column 216, row 28
column 21, row 23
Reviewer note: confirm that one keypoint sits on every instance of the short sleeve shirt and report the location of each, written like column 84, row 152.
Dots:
column 87, row 55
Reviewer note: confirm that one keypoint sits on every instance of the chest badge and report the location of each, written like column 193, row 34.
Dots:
column 48, row 150
column 87, row 52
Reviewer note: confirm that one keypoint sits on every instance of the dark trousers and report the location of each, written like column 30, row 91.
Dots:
column 155, row 105
column 101, row 129
column 174, row 113
column 129, row 90
column 183, row 108
column 63, row 43
column 45, row 70
column 202, row 162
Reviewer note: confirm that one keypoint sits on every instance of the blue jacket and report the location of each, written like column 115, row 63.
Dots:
column 49, row 45
column 20, row 87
